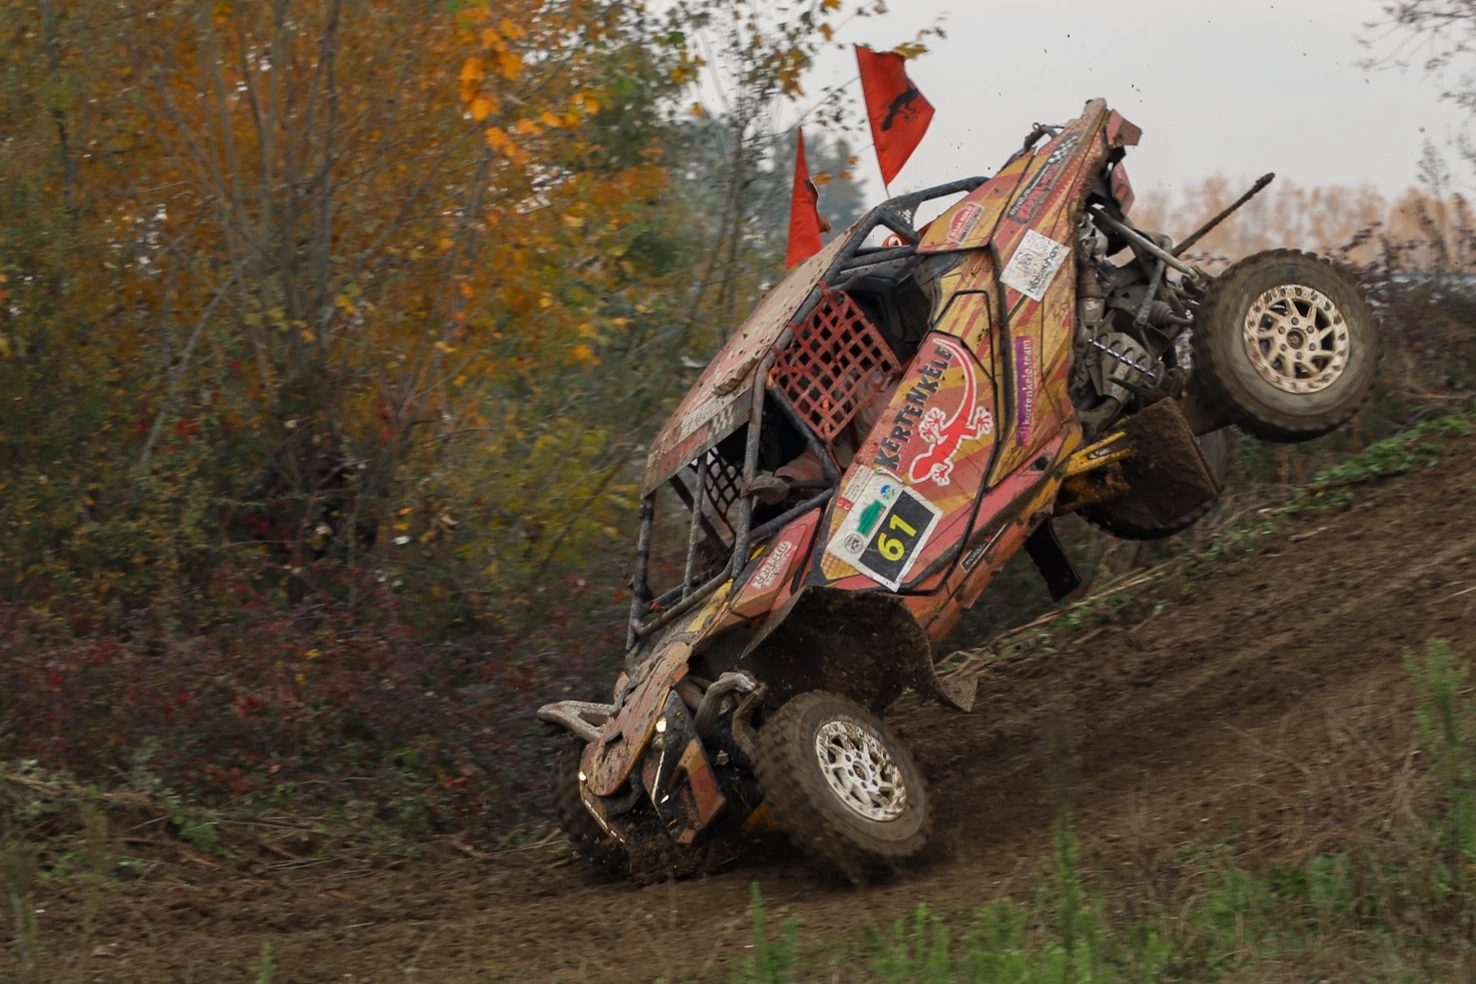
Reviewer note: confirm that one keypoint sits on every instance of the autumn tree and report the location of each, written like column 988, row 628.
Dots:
column 382, row 283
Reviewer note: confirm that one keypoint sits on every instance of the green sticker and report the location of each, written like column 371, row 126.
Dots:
column 869, row 517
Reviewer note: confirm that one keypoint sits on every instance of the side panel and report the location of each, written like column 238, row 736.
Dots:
column 908, row 497
column 1008, row 514
column 1035, row 242
column 774, row 574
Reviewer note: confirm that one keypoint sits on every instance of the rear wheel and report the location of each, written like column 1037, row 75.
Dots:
column 1285, row 346
column 1129, row 518
column 841, row 784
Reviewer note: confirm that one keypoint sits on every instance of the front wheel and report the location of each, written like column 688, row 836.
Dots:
column 841, row 784
column 1285, row 346
column 589, row 840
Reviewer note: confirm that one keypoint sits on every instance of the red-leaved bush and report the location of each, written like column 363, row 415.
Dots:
column 335, row 706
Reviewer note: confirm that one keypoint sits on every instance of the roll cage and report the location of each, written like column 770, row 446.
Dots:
column 817, row 387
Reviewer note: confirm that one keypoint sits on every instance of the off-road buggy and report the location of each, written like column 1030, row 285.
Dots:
column 949, row 389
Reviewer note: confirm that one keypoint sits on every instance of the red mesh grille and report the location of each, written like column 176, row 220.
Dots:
column 837, row 361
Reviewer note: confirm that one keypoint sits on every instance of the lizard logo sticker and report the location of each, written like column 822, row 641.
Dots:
column 945, row 433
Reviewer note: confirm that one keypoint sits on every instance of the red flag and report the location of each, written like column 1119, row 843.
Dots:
column 805, row 224
column 898, row 112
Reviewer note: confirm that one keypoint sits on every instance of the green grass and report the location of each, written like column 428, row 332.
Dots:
column 266, row 967
column 1395, row 455
column 1396, row 904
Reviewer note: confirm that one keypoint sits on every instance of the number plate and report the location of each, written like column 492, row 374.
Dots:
column 887, row 527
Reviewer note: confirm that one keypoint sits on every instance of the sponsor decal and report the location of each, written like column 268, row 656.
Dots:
column 1039, row 187
column 886, row 531
column 963, row 221
column 773, row 565
column 943, row 432
column 1036, row 261
column 854, row 488
column 1024, row 389
column 972, row 558
column 720, row 409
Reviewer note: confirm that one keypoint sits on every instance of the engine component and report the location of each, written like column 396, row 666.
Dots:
column 1122, row 366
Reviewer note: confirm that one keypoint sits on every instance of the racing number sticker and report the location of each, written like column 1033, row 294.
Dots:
column 897, row 538
column 887, row 527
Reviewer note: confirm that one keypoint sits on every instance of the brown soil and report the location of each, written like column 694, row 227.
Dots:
column 1269, row 706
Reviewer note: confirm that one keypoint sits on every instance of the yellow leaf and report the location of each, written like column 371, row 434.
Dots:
column 827, row 32
column 551, row 120
column 584, row 354
column 574, row 221
column 308, row 337
column 510, row 64
column 591, row 104
column 499, row 141
column 512, row 30
column 829, row 5
column 491, row 39
column 545, row 301
column 483, row 106
column 473, row 70
column 528, row 128
column 698, row 110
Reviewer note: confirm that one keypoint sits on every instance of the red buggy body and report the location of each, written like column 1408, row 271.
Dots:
column 1007, row 372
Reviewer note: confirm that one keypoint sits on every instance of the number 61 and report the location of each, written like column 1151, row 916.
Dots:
column 893, row 548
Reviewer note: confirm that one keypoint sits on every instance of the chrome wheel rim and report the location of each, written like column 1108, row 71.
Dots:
column 860, row 770
column 1297, row 339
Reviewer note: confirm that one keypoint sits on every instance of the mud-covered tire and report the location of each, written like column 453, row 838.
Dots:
column 1129, row 518
column 860, row 836
column 1254, row 366
column 584, row 832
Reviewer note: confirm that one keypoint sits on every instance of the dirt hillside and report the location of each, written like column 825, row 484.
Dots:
column 1259, row 708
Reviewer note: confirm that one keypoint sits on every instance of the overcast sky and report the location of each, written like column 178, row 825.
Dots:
column 1238, row 86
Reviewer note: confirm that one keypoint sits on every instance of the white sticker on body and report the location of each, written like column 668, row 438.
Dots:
column 768, row 571
column 1034, row 265
column 886, row 529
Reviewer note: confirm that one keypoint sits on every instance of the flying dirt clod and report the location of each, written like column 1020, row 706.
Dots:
column 902, row 414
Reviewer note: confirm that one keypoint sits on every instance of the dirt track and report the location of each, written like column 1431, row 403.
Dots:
column 1262, row 707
